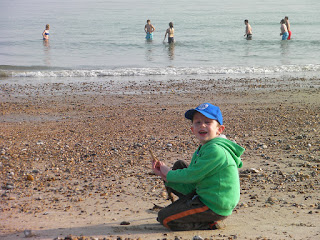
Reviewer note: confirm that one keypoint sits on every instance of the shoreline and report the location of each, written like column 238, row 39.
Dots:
column 85, row 146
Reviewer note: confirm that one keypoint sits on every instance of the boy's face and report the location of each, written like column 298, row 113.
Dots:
column 205, row 128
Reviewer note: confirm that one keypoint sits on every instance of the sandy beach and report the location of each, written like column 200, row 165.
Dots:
column 74, row 160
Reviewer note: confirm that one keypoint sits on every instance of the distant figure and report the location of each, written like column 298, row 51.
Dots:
column 284, row 30
column 149, row 29
column 286, row 19
column 45, row 33
column 170, row 32
column 248, row 30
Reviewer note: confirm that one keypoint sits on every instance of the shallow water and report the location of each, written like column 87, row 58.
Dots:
column 106, row 38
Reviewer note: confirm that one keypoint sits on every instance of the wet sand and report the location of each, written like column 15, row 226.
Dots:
column 74, row 157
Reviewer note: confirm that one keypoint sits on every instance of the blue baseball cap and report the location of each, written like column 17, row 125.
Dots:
column 208, row 110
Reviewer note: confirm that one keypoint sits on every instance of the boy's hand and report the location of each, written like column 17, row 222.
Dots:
column 156, row 167
column 160, row 169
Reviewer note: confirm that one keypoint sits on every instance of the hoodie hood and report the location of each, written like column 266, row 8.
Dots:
column 234, row 149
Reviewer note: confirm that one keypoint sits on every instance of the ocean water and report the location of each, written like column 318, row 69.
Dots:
column 105, row 38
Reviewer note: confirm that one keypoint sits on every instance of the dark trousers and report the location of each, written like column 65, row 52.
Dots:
column 188, row 212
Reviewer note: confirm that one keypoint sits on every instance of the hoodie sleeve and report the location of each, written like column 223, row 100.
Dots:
column 209, row 160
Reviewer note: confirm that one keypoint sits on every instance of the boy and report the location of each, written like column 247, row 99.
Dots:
column 286, row 20
column 149, row 29
column 284, row 31
column 209, row 188
column 248, row 30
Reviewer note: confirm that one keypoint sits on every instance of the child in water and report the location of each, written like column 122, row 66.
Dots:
column 45, row 33
column 149, row 29
column 170, row 32
column 284, row 30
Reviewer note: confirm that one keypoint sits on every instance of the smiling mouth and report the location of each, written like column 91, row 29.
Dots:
column 202, row 132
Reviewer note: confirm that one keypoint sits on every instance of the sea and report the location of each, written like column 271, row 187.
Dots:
column 105, row 39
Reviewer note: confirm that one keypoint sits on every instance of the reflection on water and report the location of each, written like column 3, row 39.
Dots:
column 46, row 50
column 248, row 49
column 149, row 50
column 171, row 51
column 284, row 52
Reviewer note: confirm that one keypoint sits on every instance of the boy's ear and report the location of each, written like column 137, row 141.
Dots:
column 221, row 129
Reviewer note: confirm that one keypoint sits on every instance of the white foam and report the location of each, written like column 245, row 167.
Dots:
column 170, row 71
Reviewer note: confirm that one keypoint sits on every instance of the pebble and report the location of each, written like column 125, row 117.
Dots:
column 125, row 223
column 9, row 186
column 197, row 237
column 272, row 200
column 30, row 177
column 28, row 233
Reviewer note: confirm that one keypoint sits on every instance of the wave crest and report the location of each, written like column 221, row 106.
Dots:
column 22, row 72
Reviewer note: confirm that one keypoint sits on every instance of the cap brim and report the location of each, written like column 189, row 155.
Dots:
column 189, row 114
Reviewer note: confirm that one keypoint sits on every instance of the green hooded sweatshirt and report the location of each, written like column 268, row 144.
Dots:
column 213, row 174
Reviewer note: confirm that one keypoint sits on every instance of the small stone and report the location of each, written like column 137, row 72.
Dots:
column 288, row 147
column 125, row 223
column 9, row 186
column 253, row 170
column 272, row 200
column 197, row 238
column 28, row 233
column 30, row 177
column 244, row 205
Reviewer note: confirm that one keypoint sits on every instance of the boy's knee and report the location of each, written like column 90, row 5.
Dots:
column 180, row 164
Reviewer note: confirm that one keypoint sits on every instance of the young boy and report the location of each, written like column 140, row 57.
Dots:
column 209, row 188
column 284, row 31
column 149, row 29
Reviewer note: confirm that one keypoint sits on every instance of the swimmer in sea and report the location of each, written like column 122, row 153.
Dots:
column 248, row 30
column 45, row 33
column 149, row 29
column 170, row 32
column 286, row 20
column 284, row 30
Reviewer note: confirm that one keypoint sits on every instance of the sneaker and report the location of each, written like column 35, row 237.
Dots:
column 217, row 225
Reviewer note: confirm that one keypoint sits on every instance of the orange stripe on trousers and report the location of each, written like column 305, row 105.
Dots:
column 183, row 214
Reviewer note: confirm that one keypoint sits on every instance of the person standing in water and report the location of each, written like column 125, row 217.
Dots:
column 149, row 29
column 286, row 19
column 45, row 34
column 248, row 32
column 170, row 32
column 284, row 30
